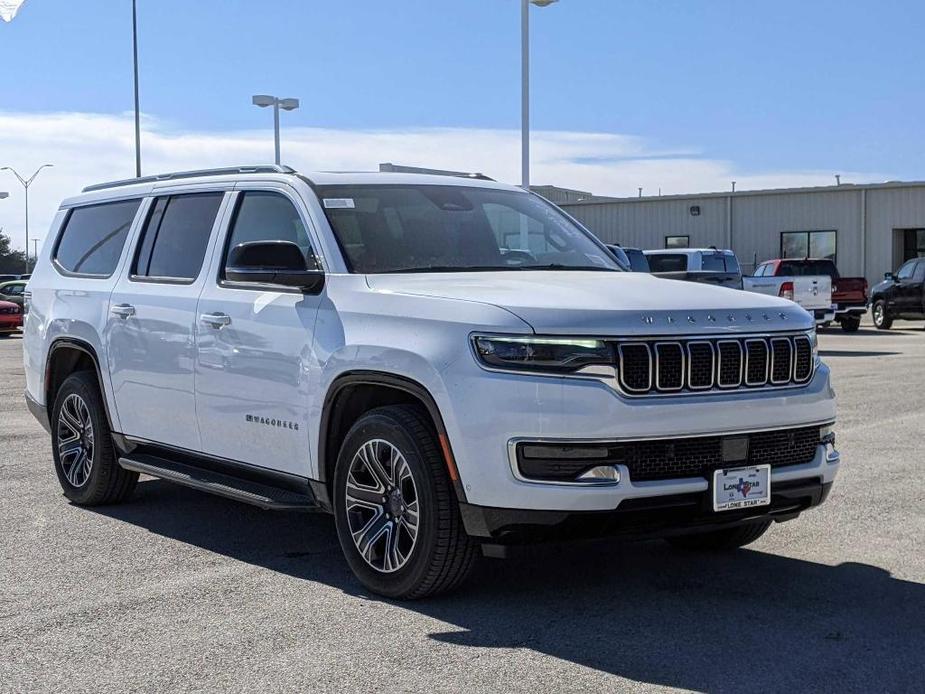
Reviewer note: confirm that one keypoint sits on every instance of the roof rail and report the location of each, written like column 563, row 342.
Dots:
column 259, row 168
column 388, row 167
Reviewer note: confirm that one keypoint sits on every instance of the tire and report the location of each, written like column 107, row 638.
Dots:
column 413, row 480
column 882, row 319
column 729, row 538
column 85, row 460
column 850, row 324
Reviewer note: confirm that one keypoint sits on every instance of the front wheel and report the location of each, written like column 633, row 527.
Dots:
column 728, row 538
column 396, row 513
column 882, row 319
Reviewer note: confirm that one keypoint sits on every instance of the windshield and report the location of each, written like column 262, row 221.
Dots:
column 428, row 228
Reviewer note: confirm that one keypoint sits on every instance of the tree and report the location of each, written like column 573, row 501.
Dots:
column 11, row 260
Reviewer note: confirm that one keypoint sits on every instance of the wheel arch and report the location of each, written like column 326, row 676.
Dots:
column 66, row 356
column 355, row 392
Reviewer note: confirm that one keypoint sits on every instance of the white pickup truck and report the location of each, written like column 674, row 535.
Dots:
column 813, row 292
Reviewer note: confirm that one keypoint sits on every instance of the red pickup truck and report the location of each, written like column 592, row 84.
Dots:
column 849, row 294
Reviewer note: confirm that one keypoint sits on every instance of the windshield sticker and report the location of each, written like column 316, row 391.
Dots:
column 339, row 203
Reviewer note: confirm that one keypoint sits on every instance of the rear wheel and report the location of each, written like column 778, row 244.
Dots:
column 882, row 319
column 850, row 324
column 728, row 538
column 396, row 513
column 85, row 460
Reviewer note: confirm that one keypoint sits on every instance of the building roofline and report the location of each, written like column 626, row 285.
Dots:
column 844, row 187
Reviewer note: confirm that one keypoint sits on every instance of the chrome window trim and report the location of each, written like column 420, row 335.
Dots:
column 712, row 364
column 657, row 363
column 767, row 361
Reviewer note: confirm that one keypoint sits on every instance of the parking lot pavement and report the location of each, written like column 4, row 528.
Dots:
column 179, row 590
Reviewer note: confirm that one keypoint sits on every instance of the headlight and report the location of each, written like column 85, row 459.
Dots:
column 552, row 354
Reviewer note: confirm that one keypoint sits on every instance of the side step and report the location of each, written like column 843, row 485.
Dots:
column 265, row 496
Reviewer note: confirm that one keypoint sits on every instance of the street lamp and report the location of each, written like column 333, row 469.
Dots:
column 26, row 182
column 264, row 100
column 525, row 87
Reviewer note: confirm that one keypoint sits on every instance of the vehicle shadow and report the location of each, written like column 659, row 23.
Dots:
column 853, row 353
column 741, row 621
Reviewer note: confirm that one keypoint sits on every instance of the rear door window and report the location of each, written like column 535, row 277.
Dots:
column 93, row 237
column 175, row 237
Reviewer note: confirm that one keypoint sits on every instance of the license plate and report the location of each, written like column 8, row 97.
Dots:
column 741, row 487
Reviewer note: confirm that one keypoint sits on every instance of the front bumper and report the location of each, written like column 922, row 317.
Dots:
column 642, row 518
column 490, row 410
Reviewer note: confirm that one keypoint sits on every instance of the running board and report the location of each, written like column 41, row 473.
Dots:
column 265, row 496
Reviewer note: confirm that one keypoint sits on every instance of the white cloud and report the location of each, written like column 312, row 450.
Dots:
column 87, row 148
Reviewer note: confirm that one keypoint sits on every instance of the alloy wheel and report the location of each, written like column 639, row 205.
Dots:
column 382, row 506
column 75, row 440
column 878, row 314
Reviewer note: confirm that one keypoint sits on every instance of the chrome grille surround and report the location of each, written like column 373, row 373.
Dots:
column 746, row 362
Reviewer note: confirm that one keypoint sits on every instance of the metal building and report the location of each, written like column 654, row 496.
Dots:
column 869, row 229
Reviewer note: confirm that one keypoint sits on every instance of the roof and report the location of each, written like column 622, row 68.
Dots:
column 842, row 188
column 145, row 185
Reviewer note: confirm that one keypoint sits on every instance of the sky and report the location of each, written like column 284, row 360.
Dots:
column 682, row 96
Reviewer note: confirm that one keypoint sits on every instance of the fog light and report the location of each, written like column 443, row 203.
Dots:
column 601, row 473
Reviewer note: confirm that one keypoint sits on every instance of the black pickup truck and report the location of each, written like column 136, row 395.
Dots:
column 901, row 295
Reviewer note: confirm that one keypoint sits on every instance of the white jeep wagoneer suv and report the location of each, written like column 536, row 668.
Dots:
column 449, row 365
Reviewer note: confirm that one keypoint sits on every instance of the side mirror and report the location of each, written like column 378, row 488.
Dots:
column 889, row 276
column 273, row 262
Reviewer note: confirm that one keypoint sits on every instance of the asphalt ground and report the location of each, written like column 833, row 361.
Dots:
column 180, row 591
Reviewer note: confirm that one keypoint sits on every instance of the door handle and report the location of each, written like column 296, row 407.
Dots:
column 215, row 320
column 122, row 310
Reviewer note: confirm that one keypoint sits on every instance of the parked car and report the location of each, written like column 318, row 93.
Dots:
column 10, row 318
column 8, row 278
column 705, row 265
column 901, row 295
column 812, row 292
column 631, row 259
column 13, row 291
column 849, row 294
column 355, row 343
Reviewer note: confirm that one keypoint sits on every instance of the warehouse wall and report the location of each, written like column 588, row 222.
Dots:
column 757, row 220
column 890, row 209
column 646, row 223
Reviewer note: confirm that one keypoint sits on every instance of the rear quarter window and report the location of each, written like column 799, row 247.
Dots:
column 93, row 237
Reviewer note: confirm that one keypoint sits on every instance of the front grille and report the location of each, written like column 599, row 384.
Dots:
column 704, row 364
column 663, row 459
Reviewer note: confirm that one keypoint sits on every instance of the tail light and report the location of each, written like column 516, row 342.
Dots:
column 786, row 290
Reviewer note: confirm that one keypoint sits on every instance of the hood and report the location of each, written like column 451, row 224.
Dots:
column 607, row 303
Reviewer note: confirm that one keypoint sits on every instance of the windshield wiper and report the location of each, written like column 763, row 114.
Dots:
column 559, row 266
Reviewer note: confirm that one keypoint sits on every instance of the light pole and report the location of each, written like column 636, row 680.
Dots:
column 264, row 100
column 26, row 182
column 525, row 87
